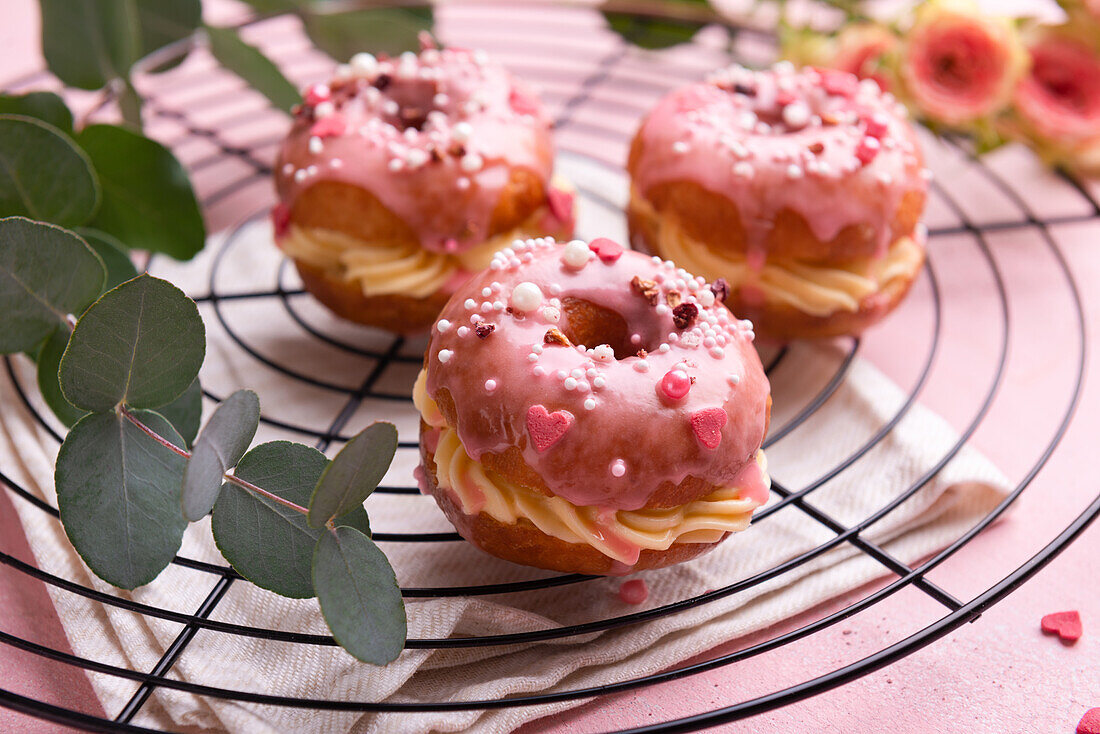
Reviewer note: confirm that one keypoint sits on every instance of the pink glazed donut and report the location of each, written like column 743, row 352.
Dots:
column 593, row 410
column 403, row 176
column 802, row 188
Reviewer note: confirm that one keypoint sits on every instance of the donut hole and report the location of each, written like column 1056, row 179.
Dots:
column 415, row 98
column 588, row 324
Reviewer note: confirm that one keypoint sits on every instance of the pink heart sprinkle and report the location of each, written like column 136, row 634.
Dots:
column 840, row 83
column 522, row 104
column 1090, row 722
column 876, row 124
column 607, row 250
column 280, row 219
column 707, row 424
column 1067, row 625
column 561, row 204
column 329, row 126
column 546, row 428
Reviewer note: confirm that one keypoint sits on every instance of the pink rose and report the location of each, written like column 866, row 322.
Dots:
column 861, row 49
column 1057, row 104
column 958, row 66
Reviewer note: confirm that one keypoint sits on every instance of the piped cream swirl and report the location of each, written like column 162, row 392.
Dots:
column 619, row 534
column 814, row 289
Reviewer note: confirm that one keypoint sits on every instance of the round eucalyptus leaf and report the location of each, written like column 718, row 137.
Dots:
column 43, row 175
column 46, row 273
column 44, row 106
column 359, row 596
column 354, row 473
column 120, row 268
column 49, row 360
column 266, row 542
column 87, row 43
column 147, row 200
column 118, row 493
column 378, row 30
column 141, row 344
column 164, row 22
column 220, row 446
column 185, row 412
column 252, row 66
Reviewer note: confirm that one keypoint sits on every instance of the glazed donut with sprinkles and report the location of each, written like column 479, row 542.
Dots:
column 802, row 188
column 590, row 409
column 402, row 176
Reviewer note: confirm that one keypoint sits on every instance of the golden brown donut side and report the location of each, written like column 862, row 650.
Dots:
column 523, row 543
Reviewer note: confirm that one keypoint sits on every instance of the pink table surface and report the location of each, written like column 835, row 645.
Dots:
column 999, row 674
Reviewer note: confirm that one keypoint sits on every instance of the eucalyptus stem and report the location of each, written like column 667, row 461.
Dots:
column 128, row 415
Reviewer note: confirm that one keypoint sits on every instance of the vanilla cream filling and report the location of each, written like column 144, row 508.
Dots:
column 814, row 289
column 619, row 534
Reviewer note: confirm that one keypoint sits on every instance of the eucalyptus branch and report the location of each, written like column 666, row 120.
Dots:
column 128, row 415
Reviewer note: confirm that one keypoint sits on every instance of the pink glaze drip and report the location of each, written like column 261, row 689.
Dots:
column 628, row 419
column 434, row 137
column 849, row 164
column 634, row 591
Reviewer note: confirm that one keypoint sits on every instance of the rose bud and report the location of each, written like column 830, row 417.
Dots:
column 1057, row 104
column 958, row 66
column 861, row 49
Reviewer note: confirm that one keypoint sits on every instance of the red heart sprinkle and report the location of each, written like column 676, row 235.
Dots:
column 522, row 104
column 329, row 126
column 561, row 204
column 315, row 95
column 707, row 424
column 1067, row 625
column 547, row 428
column 876, row 124
column 1090, row 722
column 280, row 218
column 867, row 149
column 607, row 250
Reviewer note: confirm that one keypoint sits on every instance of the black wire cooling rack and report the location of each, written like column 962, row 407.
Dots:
column 585, row 72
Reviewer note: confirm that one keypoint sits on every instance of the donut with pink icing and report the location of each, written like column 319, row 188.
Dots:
column 402, row 176
column 590, row 409
column 803, row 189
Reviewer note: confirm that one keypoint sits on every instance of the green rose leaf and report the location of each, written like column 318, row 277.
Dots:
column 219, row 447
column 353, row 474
column 378, row 30
column 46, row 273
column 148, row 202
column 359, row 596
column 253, row 67
column 118, row 492
column 141, row 344
column 87, row 43
column 113, row 254
column 43, row 175
column 44, row 106
column 49, row 360
column 266, row 542
column 167, row 21
column 185, row 412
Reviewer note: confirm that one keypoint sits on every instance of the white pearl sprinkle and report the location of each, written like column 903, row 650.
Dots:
column 462, row 330
column 490, row 385
column 442, row 326
column 641, row 366
column 618, row 468
column 603, row 353
column 705, row 297
column 570, row 383
column 315, row 145
column 576, row 254
column 538, row 371
column 323, row 109
column 680, row 147
column 526, row 296
column 589, row 403
column 445, row 355
column 471, row 163
column 796, row 115
column 734, row 379
column 470, row 304
column 396, row 164
column 364, row 64
column 599, row 382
